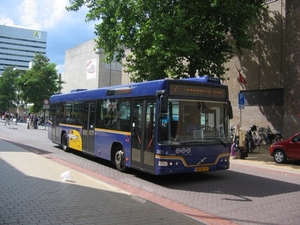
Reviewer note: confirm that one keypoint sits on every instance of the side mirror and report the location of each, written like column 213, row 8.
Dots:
column 163, row 104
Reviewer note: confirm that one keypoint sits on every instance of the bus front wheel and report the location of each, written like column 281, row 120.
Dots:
column 120, row 160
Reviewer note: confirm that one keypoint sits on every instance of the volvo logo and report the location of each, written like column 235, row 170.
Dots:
column 201, row 161
column 183, row 150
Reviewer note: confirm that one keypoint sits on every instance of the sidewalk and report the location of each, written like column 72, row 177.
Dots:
column 264, row 159
column 32, row 192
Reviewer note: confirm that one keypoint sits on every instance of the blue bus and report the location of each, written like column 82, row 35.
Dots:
column 146, row 126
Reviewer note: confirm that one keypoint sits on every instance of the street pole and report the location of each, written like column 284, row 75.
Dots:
column 241, row 116
column 45, row 118
column 110, row 74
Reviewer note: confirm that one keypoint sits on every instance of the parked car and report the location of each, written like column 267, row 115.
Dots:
column 286, row 149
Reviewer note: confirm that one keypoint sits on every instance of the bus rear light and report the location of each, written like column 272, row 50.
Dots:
column 162, row 163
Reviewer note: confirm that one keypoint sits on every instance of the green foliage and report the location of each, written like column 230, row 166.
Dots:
column 172, row 37
column 8, row 88
column 40, row 82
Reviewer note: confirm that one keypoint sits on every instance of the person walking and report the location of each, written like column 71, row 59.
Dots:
column 7, row 118
column 35, row 122
column 30, row 119
column 239, row 143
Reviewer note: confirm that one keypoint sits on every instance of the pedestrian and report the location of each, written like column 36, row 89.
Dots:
column 7, row 118
column 239, row 143
column 17, row 118
column 11, row 117
column 35, row 121
column 30, row 121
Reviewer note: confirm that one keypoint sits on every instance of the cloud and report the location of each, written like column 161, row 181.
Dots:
column 57, row 14
column 6, row 21
column 64, row 29
column 43, row 15
column 30, row 16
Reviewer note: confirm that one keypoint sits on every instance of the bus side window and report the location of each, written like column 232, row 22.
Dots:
column 100, row 113
column 125, row 124
column 124, row 107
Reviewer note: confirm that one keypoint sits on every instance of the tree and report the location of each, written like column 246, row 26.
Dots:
column 172, row 37
column 40, row 82
column 8, row 88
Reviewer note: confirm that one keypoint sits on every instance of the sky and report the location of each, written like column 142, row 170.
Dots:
column 64, row 29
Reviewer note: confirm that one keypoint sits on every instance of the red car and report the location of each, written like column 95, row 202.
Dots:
column 286, row 149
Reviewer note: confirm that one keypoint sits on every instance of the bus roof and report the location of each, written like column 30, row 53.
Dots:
column 141, row 89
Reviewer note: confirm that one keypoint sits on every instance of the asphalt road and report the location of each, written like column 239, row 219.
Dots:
column 253, row 191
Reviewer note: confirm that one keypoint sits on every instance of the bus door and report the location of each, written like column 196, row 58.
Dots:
column 88, row 127
column 143, row 134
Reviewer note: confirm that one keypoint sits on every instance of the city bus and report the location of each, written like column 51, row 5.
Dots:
column 144, row 125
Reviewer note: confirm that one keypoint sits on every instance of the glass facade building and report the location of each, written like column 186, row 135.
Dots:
column 19, row 45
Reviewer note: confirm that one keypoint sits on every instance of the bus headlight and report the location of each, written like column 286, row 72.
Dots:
column 224, row 160
column 162, row 163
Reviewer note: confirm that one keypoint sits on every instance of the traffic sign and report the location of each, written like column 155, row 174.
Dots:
column 45, row 106
column 46, row 102
column 241, row 99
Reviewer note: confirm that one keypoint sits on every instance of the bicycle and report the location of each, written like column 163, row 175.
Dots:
column 253, row 140
column 272, row 136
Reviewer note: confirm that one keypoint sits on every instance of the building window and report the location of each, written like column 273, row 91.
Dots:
column 266, row 97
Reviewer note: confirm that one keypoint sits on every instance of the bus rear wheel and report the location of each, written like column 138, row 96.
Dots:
column 64, row 142
column 120, row 160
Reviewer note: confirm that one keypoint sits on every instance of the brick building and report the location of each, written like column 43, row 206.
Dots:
column 263, row 73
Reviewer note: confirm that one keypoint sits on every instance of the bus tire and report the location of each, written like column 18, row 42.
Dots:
column 64, row 142
column 120, row 162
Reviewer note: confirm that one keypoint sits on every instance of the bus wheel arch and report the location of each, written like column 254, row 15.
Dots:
column 64, row 141
column 118, row 157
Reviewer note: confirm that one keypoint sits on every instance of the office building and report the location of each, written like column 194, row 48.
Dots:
column 84, row 68
column 18, row 46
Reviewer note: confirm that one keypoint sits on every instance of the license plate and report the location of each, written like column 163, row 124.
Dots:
column 202, row 169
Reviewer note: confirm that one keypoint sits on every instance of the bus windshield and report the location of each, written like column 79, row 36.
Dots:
column 194, row 121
